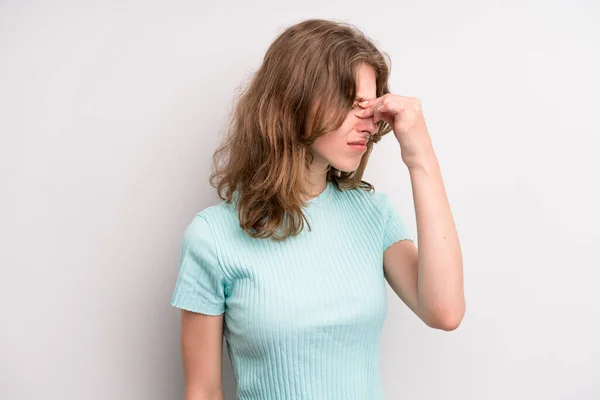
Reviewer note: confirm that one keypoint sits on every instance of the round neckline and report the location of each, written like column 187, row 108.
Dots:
column 321, row 197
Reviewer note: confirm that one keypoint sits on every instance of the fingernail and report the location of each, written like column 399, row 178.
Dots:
column 364, row 103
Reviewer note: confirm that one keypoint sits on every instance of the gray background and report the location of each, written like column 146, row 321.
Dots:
column 110, row 112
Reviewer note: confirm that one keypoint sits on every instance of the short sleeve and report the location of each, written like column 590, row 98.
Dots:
column 200, row 285
column 394, row 228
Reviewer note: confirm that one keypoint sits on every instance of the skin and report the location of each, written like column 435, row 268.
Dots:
column 201, row 343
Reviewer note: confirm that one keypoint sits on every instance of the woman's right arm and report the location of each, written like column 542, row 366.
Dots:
column 201, row 352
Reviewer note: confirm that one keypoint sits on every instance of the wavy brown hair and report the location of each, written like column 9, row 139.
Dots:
column 304, row 88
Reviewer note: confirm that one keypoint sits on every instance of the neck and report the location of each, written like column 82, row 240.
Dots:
column 317, row 181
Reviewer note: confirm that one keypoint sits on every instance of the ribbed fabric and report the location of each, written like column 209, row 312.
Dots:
column 303, row 317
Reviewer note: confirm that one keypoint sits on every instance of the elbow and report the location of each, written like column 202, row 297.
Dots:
column 447, row 319
column 446, row 324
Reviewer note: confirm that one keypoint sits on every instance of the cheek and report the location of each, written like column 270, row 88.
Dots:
column 329, row 144
column 332, row 143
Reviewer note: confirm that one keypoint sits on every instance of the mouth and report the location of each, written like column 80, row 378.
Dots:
column 364, row 142
column 358, row 145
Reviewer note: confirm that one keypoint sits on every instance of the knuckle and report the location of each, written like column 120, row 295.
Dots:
column 417, row 104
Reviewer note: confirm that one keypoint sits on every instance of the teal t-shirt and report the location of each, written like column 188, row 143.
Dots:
column 303, row 317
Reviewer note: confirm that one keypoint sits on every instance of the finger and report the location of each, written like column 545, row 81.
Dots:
column 392, row 107
column 388, row 112
column 364, row 103
column 379, row 109
column 368, row 109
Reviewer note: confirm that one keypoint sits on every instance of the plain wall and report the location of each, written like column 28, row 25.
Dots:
column 110, row 112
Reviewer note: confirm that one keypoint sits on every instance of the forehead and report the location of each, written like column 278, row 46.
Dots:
column 366, row 82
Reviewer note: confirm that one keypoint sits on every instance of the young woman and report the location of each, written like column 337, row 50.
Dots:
column 291, row 266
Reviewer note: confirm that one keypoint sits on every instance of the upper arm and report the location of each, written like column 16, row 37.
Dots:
column 201, row 284
column 200, row 293
column 400, row 255
column 401, row 267
column 201, row 352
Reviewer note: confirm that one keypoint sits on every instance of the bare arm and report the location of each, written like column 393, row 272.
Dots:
column 201, row 352
column 429, row 279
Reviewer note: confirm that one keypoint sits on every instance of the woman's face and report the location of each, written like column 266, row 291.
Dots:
column 333, row 147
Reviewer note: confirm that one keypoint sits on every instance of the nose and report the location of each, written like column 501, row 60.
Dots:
column 366, row 126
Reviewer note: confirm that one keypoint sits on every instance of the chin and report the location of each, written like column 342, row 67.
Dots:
column 346, row 167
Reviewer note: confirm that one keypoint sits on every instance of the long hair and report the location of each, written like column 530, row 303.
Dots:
column 304, row 88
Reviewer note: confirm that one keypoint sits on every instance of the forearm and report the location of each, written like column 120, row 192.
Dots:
column 440, row 271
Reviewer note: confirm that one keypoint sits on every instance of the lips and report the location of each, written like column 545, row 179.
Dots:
column 358, row 146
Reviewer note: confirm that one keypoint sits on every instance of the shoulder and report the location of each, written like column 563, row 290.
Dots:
column 204, row 235
column 198, row 232
column 218, row 214
column 219, row 223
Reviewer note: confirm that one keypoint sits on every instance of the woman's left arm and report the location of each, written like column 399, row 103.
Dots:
column 440, row 271
column 430, row 281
